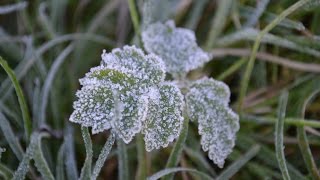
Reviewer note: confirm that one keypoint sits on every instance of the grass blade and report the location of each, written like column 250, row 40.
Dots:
column 247, row 11
column 69, row 154
column 40, row 161
column 9, row 135
column 5, row 172
column 252, row 34
column 168, row 171
column 304, row 142
column 198, row 158
column 25, row 66
column 49, row 81
column 238, row 164
column 279, row 136
column 86, row 169
column 22, row 101
column 267, row 156
column 249, row 68
column 59, row 166
column 254, row 17
column 24, row 165
column 219, row 21
column 134, row 16
column 13, row 7
column 103, row 155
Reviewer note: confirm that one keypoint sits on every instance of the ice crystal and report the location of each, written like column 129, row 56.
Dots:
column 126, row 93
column 207, row 102
column 164, row 120
column 176, row 46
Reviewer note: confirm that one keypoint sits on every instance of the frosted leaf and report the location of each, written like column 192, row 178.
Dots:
column 207, row 102
column 209, row 89
column 164, row 118
column 94, row 107
column 176, row 46
column 148, row 69
column 120, row 94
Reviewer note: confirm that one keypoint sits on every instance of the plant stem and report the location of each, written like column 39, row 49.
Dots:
column 86, row 169
column 103, row 155
column 178, row 147
column 279, row 136
column 142, row 166
column 21, row 99
column 249, row 68
column 123, row 166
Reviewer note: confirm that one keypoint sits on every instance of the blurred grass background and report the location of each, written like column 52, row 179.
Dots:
column 51, row 44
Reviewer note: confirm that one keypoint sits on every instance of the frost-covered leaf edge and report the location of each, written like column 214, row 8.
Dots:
column 222, row 103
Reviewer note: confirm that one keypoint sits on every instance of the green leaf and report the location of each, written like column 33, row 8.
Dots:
column 10, row 136
column 176, row 46
column 207, row 102
column 164, row 119
column 22, row 102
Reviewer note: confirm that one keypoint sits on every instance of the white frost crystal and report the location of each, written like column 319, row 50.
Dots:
column 207, row 103
column 163, row 123
column 126, row 93
column 176, row 46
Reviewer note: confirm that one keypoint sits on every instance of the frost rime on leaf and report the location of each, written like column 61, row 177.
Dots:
column 116, row 95
column 207, row 102
column 164, row 119
column 176, row 46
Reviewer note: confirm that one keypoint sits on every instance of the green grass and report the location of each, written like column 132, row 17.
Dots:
column 47, row 46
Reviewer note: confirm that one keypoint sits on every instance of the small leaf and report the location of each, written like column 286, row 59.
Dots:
column 207, row 102
column 164, row 118
column 176, row 46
